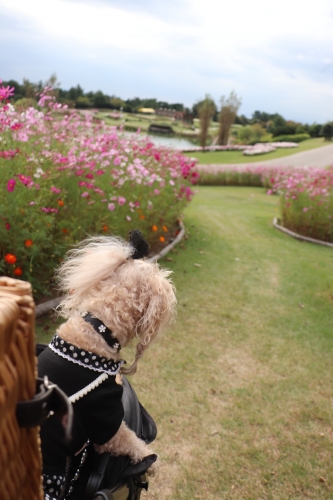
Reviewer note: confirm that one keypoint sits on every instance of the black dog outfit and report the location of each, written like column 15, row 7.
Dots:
column 90, row 382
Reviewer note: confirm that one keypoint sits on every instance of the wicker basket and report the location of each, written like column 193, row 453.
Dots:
column 20, row 457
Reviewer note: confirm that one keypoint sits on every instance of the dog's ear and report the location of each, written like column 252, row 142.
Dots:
column 139, row 244
column 159, row 311
column 156, row 315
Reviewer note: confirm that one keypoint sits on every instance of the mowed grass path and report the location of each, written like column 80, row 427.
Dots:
column 235, row 157
column 241, row 385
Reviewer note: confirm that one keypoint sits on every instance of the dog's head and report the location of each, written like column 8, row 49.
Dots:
column 134, row 298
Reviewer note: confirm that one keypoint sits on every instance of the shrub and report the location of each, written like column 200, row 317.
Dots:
column 25, row 103
column 252, row 134
column 292, row 138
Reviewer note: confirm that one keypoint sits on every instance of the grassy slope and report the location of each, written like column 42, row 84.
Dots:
column 245, row 375
column 241, row 386
column 220, row 157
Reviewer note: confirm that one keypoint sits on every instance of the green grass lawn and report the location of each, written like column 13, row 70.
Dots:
column 221, row 157
column 241, row 385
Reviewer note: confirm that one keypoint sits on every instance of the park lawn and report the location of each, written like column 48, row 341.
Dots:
column 135, row 121
column 241, row 385
column 235, row 157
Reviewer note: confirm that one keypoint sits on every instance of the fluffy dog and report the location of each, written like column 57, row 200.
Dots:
column 111, row 301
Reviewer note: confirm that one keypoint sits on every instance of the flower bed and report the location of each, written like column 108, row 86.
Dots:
column 228, row 147
column 306, row 200
column 219, row 175
column 260, row 148
column 64, row 176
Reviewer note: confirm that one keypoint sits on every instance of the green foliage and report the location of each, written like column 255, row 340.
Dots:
column 25, row 103
column 292, row 138
column 315, row 130
column 327, row 131
column 83, row 102
column 251, row 134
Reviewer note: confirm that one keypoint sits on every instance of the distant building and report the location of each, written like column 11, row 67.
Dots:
column 172, row 113
column 147, row 111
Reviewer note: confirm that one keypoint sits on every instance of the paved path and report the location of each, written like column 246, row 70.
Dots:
column 319, row 157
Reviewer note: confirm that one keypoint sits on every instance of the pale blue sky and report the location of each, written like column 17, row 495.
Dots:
column 276, row 55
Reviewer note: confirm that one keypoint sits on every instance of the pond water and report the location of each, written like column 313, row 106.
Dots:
column 168, row 141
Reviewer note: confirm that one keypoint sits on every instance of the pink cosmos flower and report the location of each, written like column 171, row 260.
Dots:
column 49, row 210
column 121, row 200
column 25, row 179
column 8, row 226
column 11, row 185
column 16, row 126
column 117, row 160
column 55, row 190
column 111, row 206
column 6, row 92
column 85, row 194
column 128, row 218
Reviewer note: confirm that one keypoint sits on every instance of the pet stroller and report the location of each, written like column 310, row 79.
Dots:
column 105, row 477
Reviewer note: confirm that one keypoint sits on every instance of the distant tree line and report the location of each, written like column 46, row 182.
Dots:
column 226, row 115
column 276, row 125
column 76, row 97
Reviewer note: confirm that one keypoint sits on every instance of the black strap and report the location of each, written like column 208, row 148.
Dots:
column 48, row 398
column 103, row 330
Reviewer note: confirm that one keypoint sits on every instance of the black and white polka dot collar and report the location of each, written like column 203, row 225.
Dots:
column 84, row 358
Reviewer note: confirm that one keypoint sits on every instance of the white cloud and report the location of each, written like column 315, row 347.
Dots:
column 273, row 54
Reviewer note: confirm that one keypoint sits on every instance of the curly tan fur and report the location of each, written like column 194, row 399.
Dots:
column 134, row 298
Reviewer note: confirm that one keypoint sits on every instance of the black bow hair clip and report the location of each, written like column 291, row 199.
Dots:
column 139, row 243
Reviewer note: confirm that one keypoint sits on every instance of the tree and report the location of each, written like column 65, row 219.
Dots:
column 83, row 102
column 315, row 130
column 75, row 92
column 117, row 103
column 101, row 100
column 29, row 89
column 206, row 110
column 227, row 116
